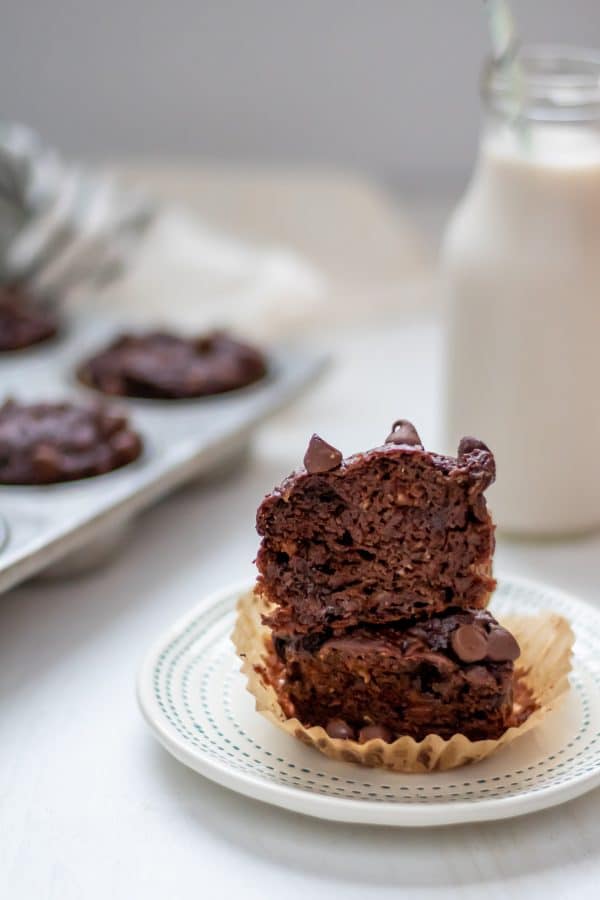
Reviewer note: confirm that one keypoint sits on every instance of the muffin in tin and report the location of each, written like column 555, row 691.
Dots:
column 48, row 443
column 166, row 366
column 24, row 321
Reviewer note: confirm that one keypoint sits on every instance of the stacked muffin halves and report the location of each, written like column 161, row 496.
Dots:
column 377, row 570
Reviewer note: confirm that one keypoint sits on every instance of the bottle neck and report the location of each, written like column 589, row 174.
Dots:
column 544, row 84
column 564, row 144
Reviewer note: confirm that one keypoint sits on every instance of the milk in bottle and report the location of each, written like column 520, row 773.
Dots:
column 521, row 265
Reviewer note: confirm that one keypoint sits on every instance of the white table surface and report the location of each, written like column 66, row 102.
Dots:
column 92, row 807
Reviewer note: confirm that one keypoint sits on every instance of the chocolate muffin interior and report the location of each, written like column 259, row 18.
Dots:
column 385, row 535
column 441, row 675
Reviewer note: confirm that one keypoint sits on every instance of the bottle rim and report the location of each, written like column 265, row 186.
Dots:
column 545, row 83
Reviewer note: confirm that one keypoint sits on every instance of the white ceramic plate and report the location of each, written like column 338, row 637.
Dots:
column 193, row 696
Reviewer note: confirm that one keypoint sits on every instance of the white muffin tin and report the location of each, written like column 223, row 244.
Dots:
column 63, row 528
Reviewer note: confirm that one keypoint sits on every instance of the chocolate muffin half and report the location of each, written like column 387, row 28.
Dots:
column 46, row 443
column 165, row 366
column 448, row 674
column 391, row 534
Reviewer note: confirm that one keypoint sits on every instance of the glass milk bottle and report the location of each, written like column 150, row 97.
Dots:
column 521, row 264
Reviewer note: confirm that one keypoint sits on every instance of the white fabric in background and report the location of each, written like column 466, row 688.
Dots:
column 271, row 252
column 187, row 274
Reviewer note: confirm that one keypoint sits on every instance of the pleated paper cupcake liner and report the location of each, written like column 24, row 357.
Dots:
column 546, row 641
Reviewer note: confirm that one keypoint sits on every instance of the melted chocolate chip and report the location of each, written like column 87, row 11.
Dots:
column 321, row 456
column 502, row 646
column 337, row 728
column 480, row 460
column 404, row 432
column 468, row 444
column 469, row 643
column 369, row 732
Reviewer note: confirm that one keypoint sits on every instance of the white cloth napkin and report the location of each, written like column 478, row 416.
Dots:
column 185, row 273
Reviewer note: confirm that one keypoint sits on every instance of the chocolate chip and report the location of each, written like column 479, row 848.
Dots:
column 369, row 732
column 404, row 432
column 337, row 728
column 469, row 643
column 502, row 646
column 480, row 460
column 321, row 456
column 468, row 444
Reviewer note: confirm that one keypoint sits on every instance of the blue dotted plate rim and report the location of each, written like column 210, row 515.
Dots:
column 219, row 608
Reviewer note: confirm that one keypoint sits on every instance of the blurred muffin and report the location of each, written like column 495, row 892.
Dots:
column 46, row 443
column 166, row 366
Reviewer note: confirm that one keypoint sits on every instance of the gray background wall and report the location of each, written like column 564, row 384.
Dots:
column 388, row 86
